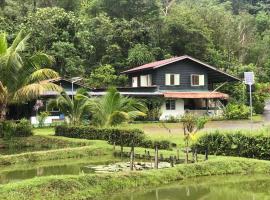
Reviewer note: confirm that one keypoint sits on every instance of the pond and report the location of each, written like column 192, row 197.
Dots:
column 206, row 188
column 76, row 166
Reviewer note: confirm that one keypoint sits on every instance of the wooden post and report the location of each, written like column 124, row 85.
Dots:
column 156, row 157
column 171, row 161
column 196, row 155
column 206, row 154
column 132, row 158
column 121, row 153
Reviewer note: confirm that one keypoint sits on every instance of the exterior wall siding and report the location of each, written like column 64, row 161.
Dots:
column 179, row 110
column 185, row 68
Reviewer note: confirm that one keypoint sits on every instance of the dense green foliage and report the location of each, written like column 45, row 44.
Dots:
column 9, row 129
column 236, row 111
column 113, row 109
column 235, row 144
column 75, row 107
column 96, row 186
column 121, row 137
column 233, row 35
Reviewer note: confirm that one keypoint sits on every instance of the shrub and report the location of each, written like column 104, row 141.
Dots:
column 121, row 137
column 236, row 111
column 23, row 129
column 9, row 129
column 42, row 117
column 234, row 144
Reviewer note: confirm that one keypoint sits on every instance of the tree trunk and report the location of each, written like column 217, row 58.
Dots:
column 3, row 112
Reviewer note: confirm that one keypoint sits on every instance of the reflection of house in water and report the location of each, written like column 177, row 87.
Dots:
column 170, row 193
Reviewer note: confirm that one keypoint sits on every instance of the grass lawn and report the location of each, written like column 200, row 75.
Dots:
column 44, row 131
column 174, row 132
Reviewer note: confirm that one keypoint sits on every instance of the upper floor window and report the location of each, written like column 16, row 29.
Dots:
column 135, row 81
column 197, row 80
column 170, row 104
column 146, row 80
column 172, row 79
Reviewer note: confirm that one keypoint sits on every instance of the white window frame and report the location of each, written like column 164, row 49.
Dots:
column 170, row 102
column 133, row 81
column 176, row 79
column 201, row 80
column 148, row 80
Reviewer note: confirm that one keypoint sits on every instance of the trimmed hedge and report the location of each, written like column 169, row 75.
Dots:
column 234, row 144
column 121, row 137
column 9, row 129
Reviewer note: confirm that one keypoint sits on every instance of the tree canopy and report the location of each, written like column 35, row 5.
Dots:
column 83, row 35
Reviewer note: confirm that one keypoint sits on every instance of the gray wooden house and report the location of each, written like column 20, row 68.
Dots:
column 185, row 83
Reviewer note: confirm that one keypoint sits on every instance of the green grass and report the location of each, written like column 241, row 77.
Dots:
column 96, row 186
column 93, row 148
column 44, row 131
column 63, row 148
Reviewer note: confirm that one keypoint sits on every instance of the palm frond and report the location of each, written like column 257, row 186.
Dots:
column 3, row 43
column 3, row 94
column 20, row 42
column 42, row 75
column 41, row 60
column 34, row 90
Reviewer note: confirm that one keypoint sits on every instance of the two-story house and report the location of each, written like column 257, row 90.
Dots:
column 185, row 83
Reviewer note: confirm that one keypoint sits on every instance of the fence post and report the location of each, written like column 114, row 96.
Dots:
column 156, row 157
column 132, row 158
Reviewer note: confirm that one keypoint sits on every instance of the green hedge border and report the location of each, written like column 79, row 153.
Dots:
column 117, row 136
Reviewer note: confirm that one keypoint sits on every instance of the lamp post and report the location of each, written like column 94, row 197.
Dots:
column 74, row 80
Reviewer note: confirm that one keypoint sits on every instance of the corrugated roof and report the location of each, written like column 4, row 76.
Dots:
column 157, row 64
column 196, row 95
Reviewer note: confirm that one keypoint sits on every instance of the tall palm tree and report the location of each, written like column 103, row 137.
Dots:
column 75, row 109
column 21, row 77
column 112, row 109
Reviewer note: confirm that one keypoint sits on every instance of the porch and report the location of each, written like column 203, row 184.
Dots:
column 200, row 103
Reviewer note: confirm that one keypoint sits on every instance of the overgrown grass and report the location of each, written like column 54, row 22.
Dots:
column 97, row 186
column 94, row 148
column 70, row 148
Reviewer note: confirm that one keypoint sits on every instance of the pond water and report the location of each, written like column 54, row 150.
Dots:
column 77, row 166
column 207, row 188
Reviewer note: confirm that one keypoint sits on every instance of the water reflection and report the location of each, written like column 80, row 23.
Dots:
column 212, row 188
column 66, row 167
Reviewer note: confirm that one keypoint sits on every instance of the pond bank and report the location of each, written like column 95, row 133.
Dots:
column 97, row 185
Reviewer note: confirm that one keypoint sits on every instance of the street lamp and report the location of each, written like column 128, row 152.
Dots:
column 74, row 80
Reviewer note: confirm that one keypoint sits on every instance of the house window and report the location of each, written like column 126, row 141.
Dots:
column 170, row 104
column 197, row 80
column 134, row 81
column 172, row 79
column 146, row 80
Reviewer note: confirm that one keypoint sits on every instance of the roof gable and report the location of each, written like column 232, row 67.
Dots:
column 158, row 64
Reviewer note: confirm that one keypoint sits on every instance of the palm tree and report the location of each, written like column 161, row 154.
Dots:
column 112, row 109
column 21, row 77
column 75, row 109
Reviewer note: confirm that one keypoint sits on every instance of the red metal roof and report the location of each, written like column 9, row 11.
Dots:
column 157, row 64
column 196, row 95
